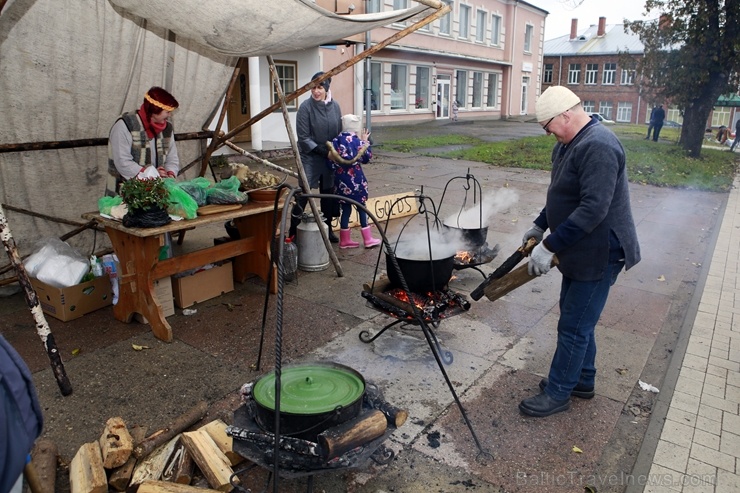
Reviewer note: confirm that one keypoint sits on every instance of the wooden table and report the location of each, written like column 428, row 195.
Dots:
column 138, row 254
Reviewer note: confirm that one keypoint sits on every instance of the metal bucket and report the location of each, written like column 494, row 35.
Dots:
column 312, row 254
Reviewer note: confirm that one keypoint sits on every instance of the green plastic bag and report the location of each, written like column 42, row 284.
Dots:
column 197, row 188
column 227, row 192
column 180, row 202
column 105, row 204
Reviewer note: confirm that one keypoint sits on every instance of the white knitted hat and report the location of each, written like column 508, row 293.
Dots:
column 351, row 123
column 553, row 101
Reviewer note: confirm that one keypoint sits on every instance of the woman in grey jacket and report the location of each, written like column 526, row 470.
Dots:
column 589, row 216
column 319, row 120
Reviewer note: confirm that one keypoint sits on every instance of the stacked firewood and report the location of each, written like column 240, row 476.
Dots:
column 126, row 459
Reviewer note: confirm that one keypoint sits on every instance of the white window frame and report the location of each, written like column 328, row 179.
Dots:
column 445, row 23
column 525, row 92
column 589, row 106
column 547, row 73
column 287, row 83
column 492, row 90
column 477, row 90
column 574, row 74
column 480, row 26
column 421, row 93
column 399, row 93
column 373, row 6
column 496, row 30
column 624, row 112
column 461, row 88
column 721, row 116
column 605, row 108
column 608, row 77
column 628, row 77
column 376, row 85
column 463, row 19
column 592, row 74
column 528, row 35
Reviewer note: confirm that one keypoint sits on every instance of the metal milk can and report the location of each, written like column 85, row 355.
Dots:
column 312, row 254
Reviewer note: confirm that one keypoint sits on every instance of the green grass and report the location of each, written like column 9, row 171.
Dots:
column 662, row 164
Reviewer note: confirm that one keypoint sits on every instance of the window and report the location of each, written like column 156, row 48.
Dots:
column 492, row 92
column 495, row 30
column 528, row 30
column 477, row 89
column 287, row 73
column 373, row 6
column 610, row 70
column 464, row 21
column 398, row 87
column 444, row 22
column 605, row 108
column 400, row 4
column 547, row 76
column 592, row 73
column 721, row 116
column 574, row 73
column 628, row 77
column 525, row 92
column 376, row 73
column 422, row 88
column 671, row 115
column 480, row 26
column 588, row 106
column 624, row 112
column 461, row 88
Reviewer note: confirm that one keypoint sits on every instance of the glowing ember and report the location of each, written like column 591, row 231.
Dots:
column 464, row 257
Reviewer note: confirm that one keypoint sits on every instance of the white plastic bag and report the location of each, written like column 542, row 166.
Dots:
column 56, row 263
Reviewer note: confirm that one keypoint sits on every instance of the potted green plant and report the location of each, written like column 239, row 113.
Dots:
column 147, row 202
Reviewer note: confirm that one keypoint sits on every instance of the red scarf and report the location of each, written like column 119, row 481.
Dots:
column 151, row 128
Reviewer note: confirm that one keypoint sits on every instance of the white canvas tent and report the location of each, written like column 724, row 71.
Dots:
column 70, row 67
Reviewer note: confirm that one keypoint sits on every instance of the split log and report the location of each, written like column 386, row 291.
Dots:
column 44, row 458
column 267, row 441
column 86, row 471
column 165, row 487
column 217, row 430
column 152, row 467
column 374, row 399
column 121, row 477
column 210, row 460
column 508, row 283
column 182, row 423
column 351, row 434
column 181, row 467
column 32, row 478
column 116, row 443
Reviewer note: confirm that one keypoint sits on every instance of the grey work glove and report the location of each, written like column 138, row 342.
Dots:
column 540, row 261
column 536, row 232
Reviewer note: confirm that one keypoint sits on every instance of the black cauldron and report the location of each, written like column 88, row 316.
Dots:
column 473, row 237
column 421, row 276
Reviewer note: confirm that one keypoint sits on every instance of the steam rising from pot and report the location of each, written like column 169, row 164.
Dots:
column 479, row 215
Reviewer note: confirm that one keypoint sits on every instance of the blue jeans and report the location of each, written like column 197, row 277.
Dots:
column 581, row 304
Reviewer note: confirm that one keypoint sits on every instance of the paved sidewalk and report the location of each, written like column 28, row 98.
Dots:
column 698, row 449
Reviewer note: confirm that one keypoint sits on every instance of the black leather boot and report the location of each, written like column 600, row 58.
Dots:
column 332, row 237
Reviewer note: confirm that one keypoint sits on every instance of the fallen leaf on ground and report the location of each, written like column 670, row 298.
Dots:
column 577, row 450
column 75, row 352
column 139, row 348
column 661, row 278
column 622, row 371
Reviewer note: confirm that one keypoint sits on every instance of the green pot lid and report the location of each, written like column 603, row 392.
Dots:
column 310, row 389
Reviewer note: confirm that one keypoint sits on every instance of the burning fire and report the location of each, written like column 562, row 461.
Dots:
column 464, row 257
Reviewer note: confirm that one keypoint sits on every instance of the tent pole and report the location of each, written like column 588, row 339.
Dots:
column 227, row 97
column 303, row 181
column 32, row 299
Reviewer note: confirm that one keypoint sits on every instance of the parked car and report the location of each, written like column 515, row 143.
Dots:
column 603, row 119
column 671, row 124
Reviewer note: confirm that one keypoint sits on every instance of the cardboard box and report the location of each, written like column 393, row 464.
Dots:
column 163, row 293
column 75, row 301
column 203, row 285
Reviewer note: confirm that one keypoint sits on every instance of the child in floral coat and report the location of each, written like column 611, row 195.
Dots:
column 347, row 153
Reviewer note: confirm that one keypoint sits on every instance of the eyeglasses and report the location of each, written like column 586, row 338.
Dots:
column 544, row 127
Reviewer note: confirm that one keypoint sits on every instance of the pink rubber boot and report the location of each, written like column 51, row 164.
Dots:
column 367, row 237
column 345, row 241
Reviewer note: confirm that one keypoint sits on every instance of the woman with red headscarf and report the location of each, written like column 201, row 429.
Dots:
column 141, row 139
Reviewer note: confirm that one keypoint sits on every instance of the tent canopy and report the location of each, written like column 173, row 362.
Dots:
column 70, row 67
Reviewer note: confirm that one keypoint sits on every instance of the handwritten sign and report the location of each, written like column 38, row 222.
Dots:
column 397, row 205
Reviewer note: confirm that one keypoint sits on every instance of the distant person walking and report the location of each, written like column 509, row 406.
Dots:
column 658, row 118
column 737, row 134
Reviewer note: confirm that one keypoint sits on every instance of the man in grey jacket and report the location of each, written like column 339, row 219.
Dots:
column 589, row 216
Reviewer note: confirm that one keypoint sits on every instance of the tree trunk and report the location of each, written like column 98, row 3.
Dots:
column 696, row 115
